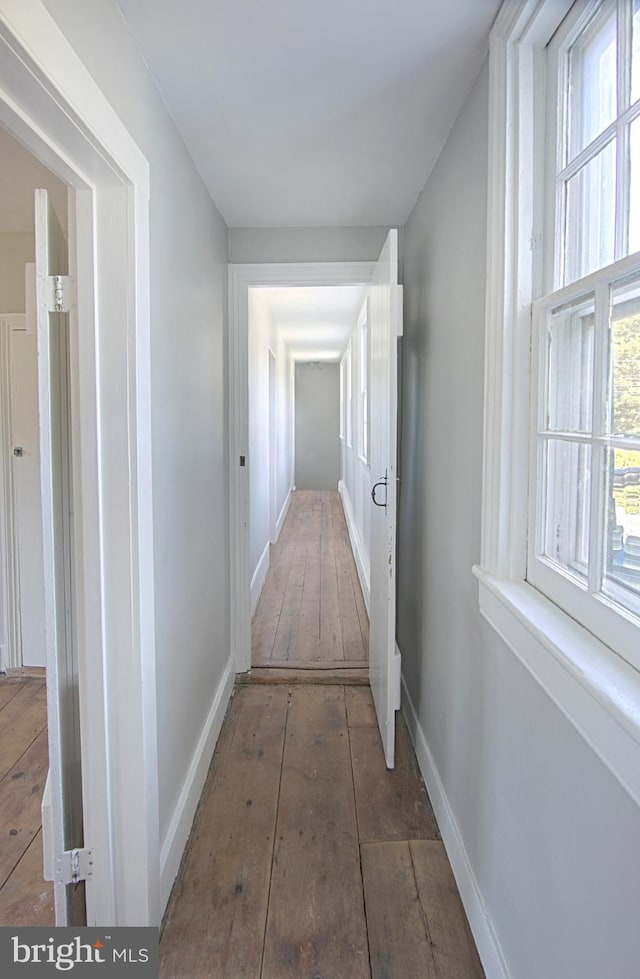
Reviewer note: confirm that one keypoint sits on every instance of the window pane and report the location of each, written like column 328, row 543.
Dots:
column 590, row 222
column 622, row 546
column 570, row 342
column 634, row 189
column 635, row 60
column 566, row 519
column 624, row 361
column 592, row 75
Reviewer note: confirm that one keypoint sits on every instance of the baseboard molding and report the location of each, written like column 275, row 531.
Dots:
column 486, row 939
column 259, row 576
column 362, row 561
column 283, row 515
column 182, row 819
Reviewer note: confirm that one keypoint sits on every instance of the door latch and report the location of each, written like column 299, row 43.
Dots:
column 381, row 482
column 18, row 451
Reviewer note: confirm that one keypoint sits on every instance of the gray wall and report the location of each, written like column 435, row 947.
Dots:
column 189, row 412
column 551, row 836
column 305, row 244
column 317, row 426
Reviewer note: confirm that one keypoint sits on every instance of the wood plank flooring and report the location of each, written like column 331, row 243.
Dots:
column 297, row 864
column 311, row 612
column 25, row 897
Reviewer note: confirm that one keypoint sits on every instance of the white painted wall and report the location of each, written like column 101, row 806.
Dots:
column 550, row 836
column 306, row 244
column 317, row 426
column 16, row 249
column 263, row 337
column 188, row 270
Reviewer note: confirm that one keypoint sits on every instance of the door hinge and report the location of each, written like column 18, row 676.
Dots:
column 73, row 866
column 59, row 293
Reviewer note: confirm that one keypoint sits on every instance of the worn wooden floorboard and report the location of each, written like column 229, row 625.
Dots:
column 311, row 611
column 399, row 943
column 452, row 944
column 316, row 924
column 215, row 924
column 305, row 675
column 402, row 810
column 26, row 898
column 21, row 721
column 20, row 798
column 8, row 689
column 282, row 879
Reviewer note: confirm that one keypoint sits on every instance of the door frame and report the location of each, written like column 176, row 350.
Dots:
column 9, row 644
column 243, row 277
column 51, row 104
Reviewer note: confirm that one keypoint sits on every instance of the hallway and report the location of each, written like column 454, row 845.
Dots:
column 311, row 613
column 308, row 858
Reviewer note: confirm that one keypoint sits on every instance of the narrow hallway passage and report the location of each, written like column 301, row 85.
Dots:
column 311, row 611
column 308, row 858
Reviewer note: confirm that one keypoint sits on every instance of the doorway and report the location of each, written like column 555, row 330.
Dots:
column 50, row 103
column 384, row 326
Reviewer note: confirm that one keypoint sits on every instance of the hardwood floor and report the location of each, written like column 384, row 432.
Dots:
column 308, row 858
column 311, row 612
column 25, row 897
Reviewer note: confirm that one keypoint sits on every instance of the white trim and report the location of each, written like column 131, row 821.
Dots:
column 10, row 650
column 357, row 545
column 283, row 515
column 514, row 225
column 183, row 814
column 50, row 102
column 597, row 691
column 259, row 577
column 486, row 940
column 241, row 279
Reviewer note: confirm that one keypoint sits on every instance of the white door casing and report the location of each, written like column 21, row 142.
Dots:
column 385, row 318
column 51, row 103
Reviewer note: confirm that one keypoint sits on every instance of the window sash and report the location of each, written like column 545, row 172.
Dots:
column 603, row 614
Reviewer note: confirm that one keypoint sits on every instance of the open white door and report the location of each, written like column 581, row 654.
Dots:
column 62, row 816
column 385, row 313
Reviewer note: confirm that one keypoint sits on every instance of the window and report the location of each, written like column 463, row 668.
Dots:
column 584, row 521
column 363, row 408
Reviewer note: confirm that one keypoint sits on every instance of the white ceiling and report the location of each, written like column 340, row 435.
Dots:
column 20, row 174
column 301, row 113
column 315, row 323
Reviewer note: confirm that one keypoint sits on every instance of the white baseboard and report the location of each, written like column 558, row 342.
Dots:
column 283, row 515
column 259, row 576
column 357, row 546
column 486, row 939
column 181, row 821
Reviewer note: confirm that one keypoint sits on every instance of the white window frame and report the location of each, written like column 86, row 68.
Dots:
column 364, row 424
column 610, row 621
column 597, row 690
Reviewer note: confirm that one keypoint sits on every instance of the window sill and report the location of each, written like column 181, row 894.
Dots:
column 595, row 689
